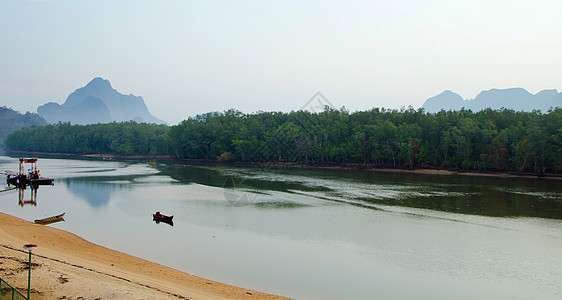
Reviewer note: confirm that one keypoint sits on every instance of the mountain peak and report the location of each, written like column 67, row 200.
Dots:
column 510, row 92
column 447, row 100
column 547, row 93
column 517, row 99
column 449, row 93
column 100, row 83
column 98, row 102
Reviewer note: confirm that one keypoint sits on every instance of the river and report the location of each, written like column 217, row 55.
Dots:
column 315, row 234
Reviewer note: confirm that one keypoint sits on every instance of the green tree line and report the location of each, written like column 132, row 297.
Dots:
column 502, row 140
column 11, row 120
column 127, row 138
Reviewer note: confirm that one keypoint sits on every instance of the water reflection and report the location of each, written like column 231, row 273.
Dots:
column 480, row 196
column 228, row 177
column 32, row 200
column 97, row 194
column 167, row 220
column 313, row 223
column 497, row 197
column 98, row 189
column 27, row 195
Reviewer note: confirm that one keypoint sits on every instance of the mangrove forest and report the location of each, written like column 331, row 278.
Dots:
column 498, row 140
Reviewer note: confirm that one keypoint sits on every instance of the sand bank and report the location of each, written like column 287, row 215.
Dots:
column 66, row 266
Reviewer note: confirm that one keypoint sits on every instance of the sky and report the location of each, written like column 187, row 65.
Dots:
column 190, row 57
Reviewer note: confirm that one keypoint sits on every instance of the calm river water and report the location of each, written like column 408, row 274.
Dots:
column 315, row 234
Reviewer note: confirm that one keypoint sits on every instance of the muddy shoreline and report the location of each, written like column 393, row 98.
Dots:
column 295, row 165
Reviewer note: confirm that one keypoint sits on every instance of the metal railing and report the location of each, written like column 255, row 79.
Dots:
column 8, row 292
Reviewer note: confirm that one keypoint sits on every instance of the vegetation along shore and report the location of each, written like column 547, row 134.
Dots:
column 487, row 141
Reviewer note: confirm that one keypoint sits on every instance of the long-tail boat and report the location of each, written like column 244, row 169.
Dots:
column 158, row 217
column 50, row 220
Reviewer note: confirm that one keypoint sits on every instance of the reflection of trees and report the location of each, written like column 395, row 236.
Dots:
column 252, row 178
column 484, row 196
column 495, row 197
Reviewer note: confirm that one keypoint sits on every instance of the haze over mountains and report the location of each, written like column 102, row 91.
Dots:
column 98, row 102
column 517, row 99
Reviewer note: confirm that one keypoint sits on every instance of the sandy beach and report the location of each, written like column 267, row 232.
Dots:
column 65, row 266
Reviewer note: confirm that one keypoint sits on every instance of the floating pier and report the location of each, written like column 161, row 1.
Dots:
column 31, row 178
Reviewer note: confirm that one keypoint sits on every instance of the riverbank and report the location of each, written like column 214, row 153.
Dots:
column 296, row 165
column 65, row 266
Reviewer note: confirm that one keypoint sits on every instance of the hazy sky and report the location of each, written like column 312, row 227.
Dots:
column 190, row 57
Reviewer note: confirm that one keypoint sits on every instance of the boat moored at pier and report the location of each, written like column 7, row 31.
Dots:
column 32, row 177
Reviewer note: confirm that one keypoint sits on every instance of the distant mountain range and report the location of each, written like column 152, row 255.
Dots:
column 517, row 99
column 98, row 102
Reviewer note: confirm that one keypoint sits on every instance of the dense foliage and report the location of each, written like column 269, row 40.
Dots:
column 126, row 138
column 11, row 120
column 488, row 140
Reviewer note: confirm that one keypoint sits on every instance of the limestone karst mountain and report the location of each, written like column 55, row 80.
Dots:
column 517, row 99
column 98, row 102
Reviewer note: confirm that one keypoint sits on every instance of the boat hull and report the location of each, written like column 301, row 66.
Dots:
column 163, row 218
column 50, row 220
column 22, row 181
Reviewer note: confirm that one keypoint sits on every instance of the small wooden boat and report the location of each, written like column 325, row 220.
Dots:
column 161, row 217
column 50, row 220
column 158, row 217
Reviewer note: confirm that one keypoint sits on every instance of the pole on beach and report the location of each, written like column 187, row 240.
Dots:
column 29, row 247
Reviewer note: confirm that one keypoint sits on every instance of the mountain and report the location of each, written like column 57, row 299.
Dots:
column 11, row 120
column 517, row 99
column 98, row 102
column 446, row 100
